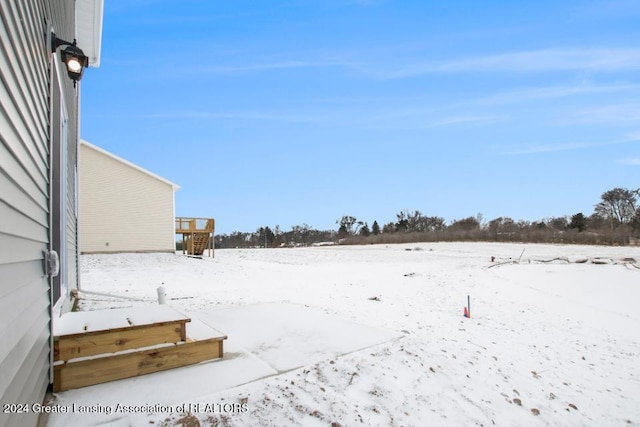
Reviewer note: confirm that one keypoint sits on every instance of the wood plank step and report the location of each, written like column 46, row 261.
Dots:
column 85, row 372
column 203, row 343
column 82, row 334
column 81, row 322
column 91, row 344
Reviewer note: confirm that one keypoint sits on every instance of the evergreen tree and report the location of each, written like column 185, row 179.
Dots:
column 578, row 221
column 403, row 222
column 375, row 228
column 265, row 237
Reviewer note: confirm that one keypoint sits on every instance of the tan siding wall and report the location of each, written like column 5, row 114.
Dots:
column 24, row 196
column 122, row 209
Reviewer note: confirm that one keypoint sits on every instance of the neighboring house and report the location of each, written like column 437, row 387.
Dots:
column 39, row 128
column 123, row 208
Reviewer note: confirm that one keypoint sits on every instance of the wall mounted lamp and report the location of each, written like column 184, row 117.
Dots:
column 73, row 57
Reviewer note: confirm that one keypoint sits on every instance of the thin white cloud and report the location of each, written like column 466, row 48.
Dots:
column 410, row 112
column 555, row 147
column 613, row 113
column 609, row 8
column 552, row 92
column 550, row 148
column 633, row 136
column 277, row 65
column 634, row 161
column 515, row 96
column 522, row 62
column 241, row 115
column 364, row 3
column 539, row 61
column 357, row 116
column 482, row 110
column 456, row 120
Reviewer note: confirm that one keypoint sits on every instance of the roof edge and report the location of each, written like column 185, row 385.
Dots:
column 89, row 19
column 128, row 163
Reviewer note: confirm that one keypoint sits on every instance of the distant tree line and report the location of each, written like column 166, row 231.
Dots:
column 265, row 237
column 614, row 221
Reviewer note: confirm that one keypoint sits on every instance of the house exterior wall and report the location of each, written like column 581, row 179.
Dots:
column 123, row 208
column 29, row 116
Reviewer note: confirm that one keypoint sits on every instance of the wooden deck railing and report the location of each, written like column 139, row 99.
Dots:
column 194, row 225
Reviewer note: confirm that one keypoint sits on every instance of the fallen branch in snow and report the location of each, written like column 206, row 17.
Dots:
column 522, row 253
column 627, row 262
column 503, row 263
column 353, row 374
column 481, row 346
column 561, row 258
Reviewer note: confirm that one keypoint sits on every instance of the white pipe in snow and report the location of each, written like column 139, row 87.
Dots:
column 162, row 295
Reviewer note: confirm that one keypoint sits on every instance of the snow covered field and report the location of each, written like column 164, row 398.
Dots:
column 374, row 335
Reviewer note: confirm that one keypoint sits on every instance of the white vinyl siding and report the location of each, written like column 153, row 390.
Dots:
column 122, row 207
column 27, row 111
column 24, row 235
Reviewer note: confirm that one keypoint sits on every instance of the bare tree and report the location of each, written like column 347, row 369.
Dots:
column 618, row 205
column 347, row 224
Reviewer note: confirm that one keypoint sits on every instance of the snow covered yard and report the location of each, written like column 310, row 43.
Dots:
column 374, row 335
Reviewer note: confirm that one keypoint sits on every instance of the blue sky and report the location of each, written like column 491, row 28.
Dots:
column 299, row 111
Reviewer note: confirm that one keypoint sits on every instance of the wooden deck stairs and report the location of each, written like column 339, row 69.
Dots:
column 94, row 347
column 198, row 244
column 197, row 235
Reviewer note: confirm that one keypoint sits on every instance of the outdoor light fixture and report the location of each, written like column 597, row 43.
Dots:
column 72, row 56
